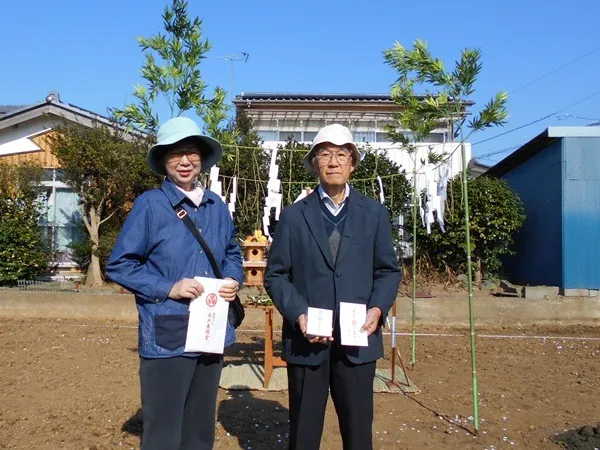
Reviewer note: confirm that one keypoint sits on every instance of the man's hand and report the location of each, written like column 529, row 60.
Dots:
column 186, row 288
column 302, row 320
column 229, row 291
column 372, row 320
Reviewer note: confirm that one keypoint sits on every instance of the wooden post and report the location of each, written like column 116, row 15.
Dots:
column 270, row 360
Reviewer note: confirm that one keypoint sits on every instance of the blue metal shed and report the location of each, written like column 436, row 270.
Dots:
column 557, row 176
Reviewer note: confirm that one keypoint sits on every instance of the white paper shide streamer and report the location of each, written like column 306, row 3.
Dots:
column 274, row 196
column 432, row 186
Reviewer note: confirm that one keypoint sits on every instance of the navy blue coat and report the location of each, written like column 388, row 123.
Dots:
column 301, row 273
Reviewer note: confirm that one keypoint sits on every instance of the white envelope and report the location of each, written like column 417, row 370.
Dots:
column 352, row 317
column 319, row 322
column 208, row 319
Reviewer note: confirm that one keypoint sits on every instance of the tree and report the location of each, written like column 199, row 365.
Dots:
column 448, row 93
column 107, row 169
column 178, row 81
column 496, row 213
column 24, row 251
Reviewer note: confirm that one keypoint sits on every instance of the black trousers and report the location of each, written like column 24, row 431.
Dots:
column 351, row 388
column 179, row 399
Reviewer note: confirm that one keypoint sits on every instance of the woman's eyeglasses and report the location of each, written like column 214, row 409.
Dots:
column 177, row 155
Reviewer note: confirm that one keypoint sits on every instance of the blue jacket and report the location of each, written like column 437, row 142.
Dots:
column 301, row 273
column 155, row 250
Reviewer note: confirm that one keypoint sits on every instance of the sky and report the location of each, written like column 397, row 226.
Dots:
column 545, row 53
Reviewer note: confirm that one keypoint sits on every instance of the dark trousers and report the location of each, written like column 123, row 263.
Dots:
column 351, row 388
column 179, row 399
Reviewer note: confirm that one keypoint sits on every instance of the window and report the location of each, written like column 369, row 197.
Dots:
column 436, row 138
column 48, row 175
column 364, row 136
column 61, row 222
column 267, row 135
column 382, row 137
column 293, row 135
column 308, row 136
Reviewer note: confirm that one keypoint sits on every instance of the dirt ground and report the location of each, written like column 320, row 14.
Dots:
column 73, row 384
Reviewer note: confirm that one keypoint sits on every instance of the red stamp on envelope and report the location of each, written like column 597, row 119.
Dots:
column 211, row 300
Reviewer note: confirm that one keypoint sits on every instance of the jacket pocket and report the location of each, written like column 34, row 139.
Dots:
column 170, row 331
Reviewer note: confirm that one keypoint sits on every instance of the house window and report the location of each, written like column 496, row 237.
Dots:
column 48, row 175
column 61, row 222
column 308, row 136
column 364, row 136
column 53, row 175
column 382, row 137
column 290, row 135
column 268, row 136
column 435, row 138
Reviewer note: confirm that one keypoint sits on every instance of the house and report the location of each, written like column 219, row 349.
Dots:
column 278, row 117
column 24, row 132
column 557, row 176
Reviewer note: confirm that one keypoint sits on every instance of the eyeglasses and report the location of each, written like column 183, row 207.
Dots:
column 192, row 155
column 325, row 157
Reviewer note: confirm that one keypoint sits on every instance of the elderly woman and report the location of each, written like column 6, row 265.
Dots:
column 156, row 257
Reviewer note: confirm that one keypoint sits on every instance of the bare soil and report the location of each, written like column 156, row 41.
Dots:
column 74, row 384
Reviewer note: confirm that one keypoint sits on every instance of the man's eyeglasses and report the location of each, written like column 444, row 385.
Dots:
column 325, row 157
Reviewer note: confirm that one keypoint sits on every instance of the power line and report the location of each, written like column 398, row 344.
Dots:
column 567, row 115
column 555, row 70
column 538, row 120
column 497, row 152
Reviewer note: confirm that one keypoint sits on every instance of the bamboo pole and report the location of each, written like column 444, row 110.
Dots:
column 414, row 262
column 393, row 330
column 470, row 290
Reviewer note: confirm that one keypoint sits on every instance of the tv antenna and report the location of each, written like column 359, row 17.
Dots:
column 242, row 56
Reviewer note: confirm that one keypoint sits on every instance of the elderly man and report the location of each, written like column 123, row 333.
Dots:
column 333, row 246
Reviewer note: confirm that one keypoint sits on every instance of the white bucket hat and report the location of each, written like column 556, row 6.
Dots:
column 175, row 130
column 337, row 135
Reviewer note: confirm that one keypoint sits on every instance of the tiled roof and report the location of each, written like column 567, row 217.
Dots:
column 290, row 97
column 8, row 108
column 297, row 97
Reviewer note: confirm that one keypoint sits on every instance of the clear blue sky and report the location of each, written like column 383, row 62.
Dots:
column 88, row 50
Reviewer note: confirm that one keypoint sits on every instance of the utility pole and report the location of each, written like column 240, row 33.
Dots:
column 242, row 56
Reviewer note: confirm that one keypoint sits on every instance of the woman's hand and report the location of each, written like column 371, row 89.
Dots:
column 229, row 291
column 186, row 288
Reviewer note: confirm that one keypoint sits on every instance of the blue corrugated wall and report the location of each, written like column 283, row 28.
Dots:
column 581, row 213
column 538, row 244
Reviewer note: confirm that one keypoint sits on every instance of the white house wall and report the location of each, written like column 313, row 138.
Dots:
column 23, row 145
column 16, row 134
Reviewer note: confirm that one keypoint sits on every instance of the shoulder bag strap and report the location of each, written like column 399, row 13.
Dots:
column 183, row 215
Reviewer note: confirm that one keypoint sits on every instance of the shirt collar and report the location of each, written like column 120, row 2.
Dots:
column 195, row 195
column 323, row 195
column 176, row 196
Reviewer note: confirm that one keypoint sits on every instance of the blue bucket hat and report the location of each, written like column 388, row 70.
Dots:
column 175, row 130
